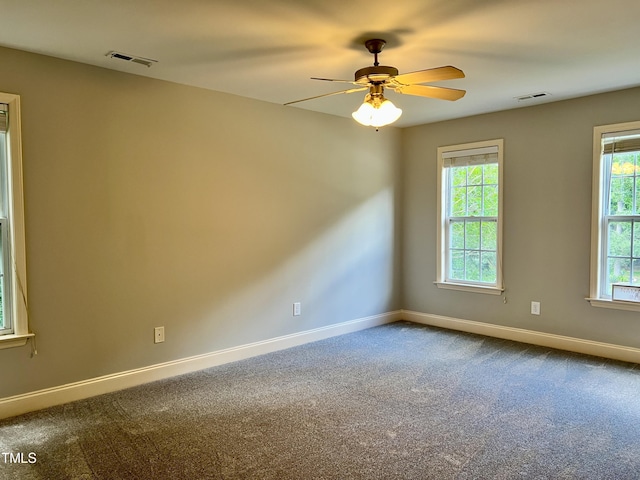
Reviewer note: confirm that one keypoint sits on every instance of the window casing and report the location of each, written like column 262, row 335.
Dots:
column 615, row 225
column 14, row 330
column 470, row 217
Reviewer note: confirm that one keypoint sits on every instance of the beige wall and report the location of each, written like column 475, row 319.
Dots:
column 150, row 203
column 547, row 218
column 154, row 204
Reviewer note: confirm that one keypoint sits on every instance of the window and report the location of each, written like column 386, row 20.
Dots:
column 615, row 231
column 13, row 295
column 470, row 217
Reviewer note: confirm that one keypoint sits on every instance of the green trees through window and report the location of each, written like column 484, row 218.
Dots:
column 623, row 220
column 473, row 235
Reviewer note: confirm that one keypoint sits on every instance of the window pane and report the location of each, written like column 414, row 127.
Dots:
column 490, row 196
column 635, row 274
column 472, row 235
column 475, row 175
column 458, row 176
column 636, row 203
column 489, row 267
column 489, row 236
column 619, row 271
column 459, row 202
column 623, row 163
column 636, row 239
column 474, row 201
column 619, row 241
column 637, row 198
column 491, row 174
column 621, row 195
column 3, row 175
column 472, row 265
column 457, row 265
column 457, row 235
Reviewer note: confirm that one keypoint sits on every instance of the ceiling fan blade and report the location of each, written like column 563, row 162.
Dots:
column 332, row 80
column 430, row 91
column 429, row 75
column 351, row 90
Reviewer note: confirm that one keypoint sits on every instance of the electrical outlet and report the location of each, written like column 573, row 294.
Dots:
column 158, row 335
column 535, row 308
column 297, row 309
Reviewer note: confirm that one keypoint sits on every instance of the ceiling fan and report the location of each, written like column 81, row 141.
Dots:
column 376, row 110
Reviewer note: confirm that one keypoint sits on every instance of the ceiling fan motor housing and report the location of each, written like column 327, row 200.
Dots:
column 375, row 74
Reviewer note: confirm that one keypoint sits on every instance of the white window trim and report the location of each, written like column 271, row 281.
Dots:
column 441, row 245
column 15, row 198
column 597, row 221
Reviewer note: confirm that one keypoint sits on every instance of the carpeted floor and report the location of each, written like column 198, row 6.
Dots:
column 401, row 401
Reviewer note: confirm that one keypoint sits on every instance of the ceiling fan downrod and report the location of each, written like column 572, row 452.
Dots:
column 375, row 46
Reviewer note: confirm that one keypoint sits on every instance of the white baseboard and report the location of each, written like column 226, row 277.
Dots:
column 19, row 404
column 28, row 402
column 607, row 350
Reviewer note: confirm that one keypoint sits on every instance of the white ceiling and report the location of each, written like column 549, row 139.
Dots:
column 269, row 49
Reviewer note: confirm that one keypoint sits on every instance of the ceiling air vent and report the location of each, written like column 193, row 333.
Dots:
column 532, row 96
column 132, row 58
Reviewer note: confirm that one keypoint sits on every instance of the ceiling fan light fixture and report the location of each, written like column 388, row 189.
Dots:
column 376, row 111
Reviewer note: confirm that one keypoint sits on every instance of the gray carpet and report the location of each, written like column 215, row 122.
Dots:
column 401, row 401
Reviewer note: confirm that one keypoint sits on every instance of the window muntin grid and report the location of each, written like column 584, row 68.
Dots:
column 472, row 223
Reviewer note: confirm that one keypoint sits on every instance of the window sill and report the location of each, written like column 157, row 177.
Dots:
column 465, row 287
column 615, row 304
column 9, row 341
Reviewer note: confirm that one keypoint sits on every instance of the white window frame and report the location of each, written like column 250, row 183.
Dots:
column 598, row 220
column 15, row 252
column 442, row 240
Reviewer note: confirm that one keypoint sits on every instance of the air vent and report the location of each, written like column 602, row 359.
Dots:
column 132, row 58
column 532, row 96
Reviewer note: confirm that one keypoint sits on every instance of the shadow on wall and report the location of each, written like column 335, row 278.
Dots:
column 344, row 272
column 308, row 241
column 212, row 237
